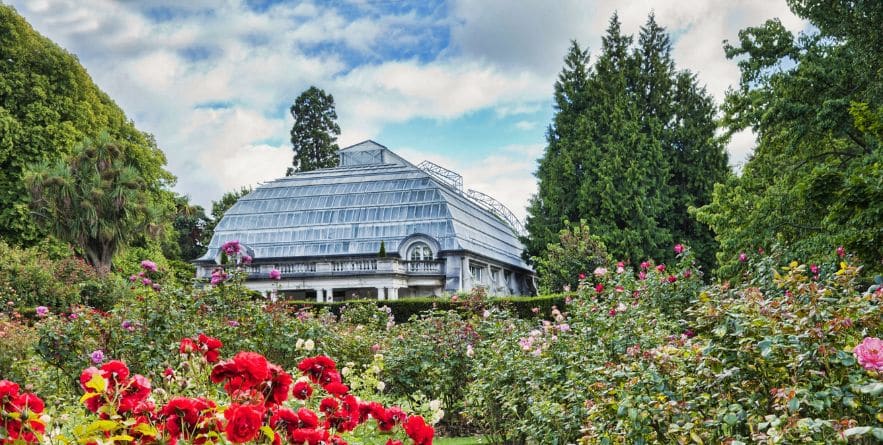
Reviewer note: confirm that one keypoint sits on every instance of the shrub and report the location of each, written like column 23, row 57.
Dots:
column 17, row 341
column 402, row 310
column 261, row 403
column 576, row 252
column 529, row 379
column 770, row 366
column 30, row 278
column 430, row 355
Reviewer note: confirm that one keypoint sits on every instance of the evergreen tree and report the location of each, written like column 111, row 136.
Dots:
column 559, row 171
column 315, row 131
column 640, row 150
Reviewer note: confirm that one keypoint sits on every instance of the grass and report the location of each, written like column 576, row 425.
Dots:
column 459, row 441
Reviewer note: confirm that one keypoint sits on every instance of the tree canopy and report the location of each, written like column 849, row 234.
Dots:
column 49, row 105
column 632, row 147
column 96, row 199
column 815, row 101
column 315, row 131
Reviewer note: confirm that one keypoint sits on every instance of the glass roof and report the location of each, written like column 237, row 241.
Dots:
column 349, row 210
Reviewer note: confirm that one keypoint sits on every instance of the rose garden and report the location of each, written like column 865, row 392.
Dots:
column 701, row 261
column 782, row 353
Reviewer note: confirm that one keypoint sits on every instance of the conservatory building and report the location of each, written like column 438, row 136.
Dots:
column 378, row 227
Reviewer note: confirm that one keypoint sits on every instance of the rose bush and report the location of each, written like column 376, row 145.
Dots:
column 260, row 402
column 776, row 366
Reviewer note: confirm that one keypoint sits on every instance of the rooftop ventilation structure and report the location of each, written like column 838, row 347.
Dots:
column 498, row 209
column 448, row 177
column 455, row 181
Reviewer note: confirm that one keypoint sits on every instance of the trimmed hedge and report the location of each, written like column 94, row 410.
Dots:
column 404, row 309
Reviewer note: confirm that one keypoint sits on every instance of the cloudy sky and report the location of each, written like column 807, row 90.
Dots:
column 464, row 83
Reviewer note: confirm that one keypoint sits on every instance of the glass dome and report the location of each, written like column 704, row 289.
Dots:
column 374, row 196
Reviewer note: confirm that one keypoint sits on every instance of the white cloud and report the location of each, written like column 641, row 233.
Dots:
column 213, row 84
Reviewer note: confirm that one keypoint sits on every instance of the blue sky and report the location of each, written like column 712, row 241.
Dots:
column 466, row 84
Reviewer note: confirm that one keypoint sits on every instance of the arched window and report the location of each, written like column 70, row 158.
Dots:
column 420, row 252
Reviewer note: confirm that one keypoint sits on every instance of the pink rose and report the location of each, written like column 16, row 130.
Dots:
column 870, row 353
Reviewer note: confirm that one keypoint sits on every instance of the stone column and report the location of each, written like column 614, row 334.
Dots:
column 381, row 293
column 329, row 295
column 393, row 293
column 319, row 298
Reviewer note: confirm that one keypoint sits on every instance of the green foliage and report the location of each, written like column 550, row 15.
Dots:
column 429, row 356
column 97, row 199
column 772, row 367
column 48, row 105
column 402, row 310
column 30, row 278
column 631, row 149
column 529, row 379
column 382, row 252
column 814, row 101
column 575, row 252
column 192, row 229
column 17, row 340
column 147, row 338
column 315, row 131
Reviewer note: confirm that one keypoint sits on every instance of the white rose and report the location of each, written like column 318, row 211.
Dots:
column 435, row 405
column 381, row 386
column 309, row 345
column 299, row 344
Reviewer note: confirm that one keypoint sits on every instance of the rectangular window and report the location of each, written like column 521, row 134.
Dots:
column 476, row 272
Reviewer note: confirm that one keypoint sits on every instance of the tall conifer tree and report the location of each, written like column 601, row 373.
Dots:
column 559, row 171
column 641, row 152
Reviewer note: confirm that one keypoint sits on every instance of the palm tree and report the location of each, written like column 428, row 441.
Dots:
column 95, row 200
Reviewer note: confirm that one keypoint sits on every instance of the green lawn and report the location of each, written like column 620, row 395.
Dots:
column 459, row 441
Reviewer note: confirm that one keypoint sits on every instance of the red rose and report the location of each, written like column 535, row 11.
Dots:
column 337, row 389
column 302, row 390
column 28, row 401
column 280, row 383
column 328, row 405
column 316, row 367
column 393, row 442
column 328, row 377
column 8, row 390
column 308, row 419
column 396, row 414
column 284, row 418
column 243, row 422
column 417, row 429
column 187, row 346
column 224, row 371
column 210, row 346
column 253, row 367
column 209, row 342
column 115, row 372
column 137, row 390
column 309, row 436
